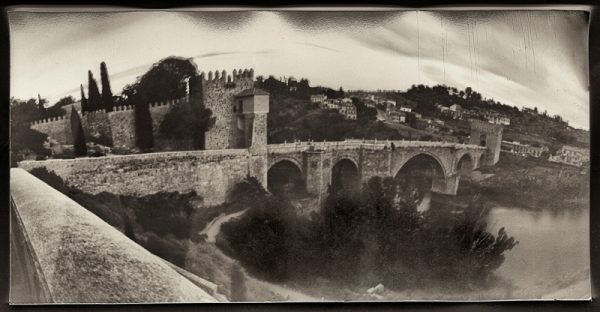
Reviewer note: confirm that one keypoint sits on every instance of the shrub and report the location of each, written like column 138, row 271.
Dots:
column 167, row 248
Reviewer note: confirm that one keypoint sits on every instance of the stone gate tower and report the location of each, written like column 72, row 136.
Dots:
column 489, row 135
column 240, row 109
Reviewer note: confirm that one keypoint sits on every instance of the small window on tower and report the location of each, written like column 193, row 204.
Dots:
column 482, row 140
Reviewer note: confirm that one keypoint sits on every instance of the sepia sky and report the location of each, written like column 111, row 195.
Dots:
column 522, row 58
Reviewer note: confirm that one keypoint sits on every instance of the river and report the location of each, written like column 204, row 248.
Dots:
column 552, row 258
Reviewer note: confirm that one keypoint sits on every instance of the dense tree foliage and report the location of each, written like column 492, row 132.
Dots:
column 144, row 137
column 188, row 121
column 164, row 81
column 360, row 239
column 107, row 96
column 64, row 101
column 24, row 141
column 84, row 101
column 79, row 147
column 94, row 97
column 42, row 105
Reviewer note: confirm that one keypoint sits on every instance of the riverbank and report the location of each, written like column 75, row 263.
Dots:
column 528, row 183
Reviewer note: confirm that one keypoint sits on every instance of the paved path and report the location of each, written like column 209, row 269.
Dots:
column 287, row 294
column 214, row 227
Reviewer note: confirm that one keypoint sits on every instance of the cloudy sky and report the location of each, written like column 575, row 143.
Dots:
column 522, row 58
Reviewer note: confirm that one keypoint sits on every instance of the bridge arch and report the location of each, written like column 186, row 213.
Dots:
column 465, row 164
column 345, row 175
column 424, row 171
column 285, row 176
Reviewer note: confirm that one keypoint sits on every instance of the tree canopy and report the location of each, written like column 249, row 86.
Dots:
column 107, row 97
column 165, row 80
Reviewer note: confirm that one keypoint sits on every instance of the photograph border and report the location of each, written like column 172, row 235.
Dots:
column 594, row 76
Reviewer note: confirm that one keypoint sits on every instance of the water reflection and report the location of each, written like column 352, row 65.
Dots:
column 552, row 258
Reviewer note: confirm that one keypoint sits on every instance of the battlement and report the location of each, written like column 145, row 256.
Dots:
column 221, row 77
column 48, row 120
column 96, row 112
column 121, row 108
column 168, row 102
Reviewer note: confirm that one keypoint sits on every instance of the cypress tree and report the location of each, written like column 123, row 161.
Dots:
column 107, row 97
column 78, row 137
column 143, row 125
column 41, row 107
column 94, row 98
column 84, row 101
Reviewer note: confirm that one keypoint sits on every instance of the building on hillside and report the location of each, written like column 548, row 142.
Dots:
column 405, row 108
column 396, row 116
column 455, row 108
column 497, row 119
column 318, row 98
column 389, row 104
column 332, row 104
column 454, row 111
column 346, row 100
column 348, row 110
column 522, row 149
column 571, row 155
column 528, row 110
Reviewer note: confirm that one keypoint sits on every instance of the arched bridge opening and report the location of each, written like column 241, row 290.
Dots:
column 285, row 178
column 465, row 165
column 422, row 174
column 345, row 176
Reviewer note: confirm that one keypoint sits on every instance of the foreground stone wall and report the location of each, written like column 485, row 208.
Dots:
column 81, row 259
column 212, row 174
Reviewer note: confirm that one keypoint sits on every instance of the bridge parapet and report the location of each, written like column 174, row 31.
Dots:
column 365, row 144
column 81, row 259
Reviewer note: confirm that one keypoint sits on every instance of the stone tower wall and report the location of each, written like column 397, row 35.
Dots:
column 493, row 140
column 217, row 92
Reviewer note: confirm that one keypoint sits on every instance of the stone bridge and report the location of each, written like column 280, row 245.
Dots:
column 320, row 164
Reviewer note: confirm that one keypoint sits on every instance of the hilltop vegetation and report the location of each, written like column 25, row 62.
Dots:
column 360, row 240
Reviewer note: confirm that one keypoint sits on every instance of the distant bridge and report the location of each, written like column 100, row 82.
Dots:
column 317, row 165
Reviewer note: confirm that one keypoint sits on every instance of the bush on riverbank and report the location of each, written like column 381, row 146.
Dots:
column 367, row 238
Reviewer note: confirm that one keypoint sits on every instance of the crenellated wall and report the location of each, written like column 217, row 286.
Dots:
column 58, row 128
column 117, row 126
column 122, row 125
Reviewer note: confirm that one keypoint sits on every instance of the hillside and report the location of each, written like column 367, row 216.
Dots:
column 293, row 117
column 527, row 126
